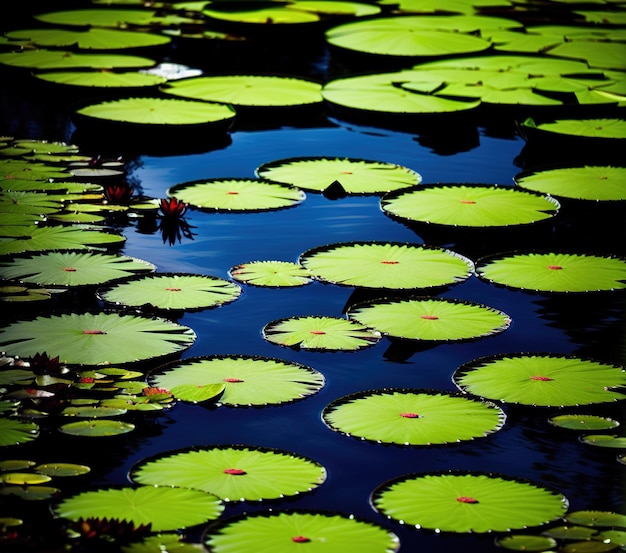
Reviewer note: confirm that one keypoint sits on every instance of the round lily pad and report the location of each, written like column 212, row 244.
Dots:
column 412, row 417
column 542, row 379
column 248, row 380
column 96, row 428
column 386, row 265
column 433, row 319
column 320, row 333
column 112, row 18
column 285, row 532
column 279, row 274
column 94, row 339
column 100, row 81
column 593, row 132
column 233, row 473
column 24, row 478
column 583, row 422
column 62, row 469
column 237, row 194
column 163, row 507
column 597, row 518
column 31, row 493
column 15, row 431
column 554, row 271
column 469, row 205
column 172, row 291
column 522, row 542
column 49, row 60
column 356, row 176
column 604, row 440
column 468, row 502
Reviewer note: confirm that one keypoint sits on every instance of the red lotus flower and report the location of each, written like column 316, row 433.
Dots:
column 118, row 193
column 173, row 207
column 148, row 391
column 40, row 363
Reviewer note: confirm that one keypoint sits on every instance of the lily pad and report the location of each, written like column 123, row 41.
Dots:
column 19, row 293
column 162, row 507
column 412, row 417
column 46, row 60
column 554, row 271
column 430, row 319
column 96, row 428
column 24, row 478
column 522, row 542
column 386, row 265
column 112, row 18
column 468, row 502
column 469, row 205
column 597, row 518
column 591, row 131
column 277, row 274
column 95, row 339
column 248, row 380
column 320, row 333
column 542, row 379
column 15, row 431
column 583, row 422
column 71, row 268
column 31, row 493
column 604, row 440
column 356, row 176
column 237, row 194
column 283, row 532
column 101, row 80
column 172, row 291
column 62, row 469
column 233, row 473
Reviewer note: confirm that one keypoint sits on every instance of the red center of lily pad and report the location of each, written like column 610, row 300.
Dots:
column 173, row 289
column 300, row 539
column 541, row 378
column 69, row 269
column 232, row 193
column 467, row 201
column 410, row 415
column 389, row 262
column 232, row 380
column 554, row 267
column 466, row 499
column 317, row 332
column 429, row 317
column 94, row 332
column 235, row 472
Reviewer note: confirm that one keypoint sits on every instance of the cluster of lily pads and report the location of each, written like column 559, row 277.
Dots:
column 60, row 247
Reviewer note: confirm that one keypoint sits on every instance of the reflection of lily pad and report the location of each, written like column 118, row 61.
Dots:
column 436, row 319
column 386, row 265
column 235, row 473
column 320, row 333
column 96, row 428
column 554, row 272
column 288, row 532
column 15, row 432
column 93, row 339
column 172, row 291
column 271, row 273
column 542, row 379
column 467, row 502
column 356, row 176
column 164, row 508
column 237, row 194
column 248, row 380
column 583, row 422
column 412, row 417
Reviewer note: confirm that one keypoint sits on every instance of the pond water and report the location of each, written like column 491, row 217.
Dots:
column 528, row 447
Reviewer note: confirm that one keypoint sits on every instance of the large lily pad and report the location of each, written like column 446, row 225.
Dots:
column 542, row 379
column 386, row 265
column 431, row 319
column 412, row 417
column 233, row 473
column 554, row 271
column 172, row 291
column 468, row 502
column 285, row 532
column 237, row 194
column 356, row 176
column 96, row 339
column 161, row 507
column 71, row 267
column 248, row 380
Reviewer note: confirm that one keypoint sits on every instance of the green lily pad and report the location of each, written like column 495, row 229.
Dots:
column 248, row 380
column 571, row 533
column 234, row 473
column 237, row 194
column 113, row 18
column 465, row 205
column 604, row 440
column 467, row 502
column 91, row 411
column 94, row 339
column 432, row 319
column 21, row 169
column 277, row 274
column 522, row 542
column 15, row 432
column 602, row 130
column 386, row 265
column 412, row 417
column 62, row 469
column 30, row 493
column 172, row 291
column 101, row 80
column 603, row 55
column 583, row 422
column 26, row 203
column 173, row 543
column 16, row 464
column 554, row 272
column 597, row 518
column 241, row 15
column 590, row 182
column 162, row 507
column 542, row 379
column 288, row 532
column 96, row 428
column 46, row 60
column 356, row 176
column 24, row 478
column 194, row 393
column 18, row 293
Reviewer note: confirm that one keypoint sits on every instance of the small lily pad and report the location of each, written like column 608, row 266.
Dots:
column 521, row 542
column 24, row 478
column 606, row 519
column 277, row 274
column 583, row 422
column 96, row 428
column 62, row 469
column 30, row 493
column 604, row 440
column 570, row 533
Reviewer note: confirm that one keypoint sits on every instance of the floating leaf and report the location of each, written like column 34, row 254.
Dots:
column 15, row 293
column 94, row 339
column 435, row 319
column 163, row 508
column 30, row 493
column 194, row 393
column 467, row 502
column 594, row 129
column 271, row 273
column 597, row 518
column 65, row 59
column 356, row 176
column 386, row 265
column 172, row 291
column 24, row 478
column 320, row 333
column 172, row 543
column 521, row 542
column 15, row 432
column 101, row 80
column 235, row 473
column 583, row 422
column 96, row 428
column 114, row 18
column 554, row 271
column 237, row 194
column 604, row 440
column 62, row 469
column 284, row 532
column 570, row 533
column 16, row 464
column 248, row 380
column 542, row 379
